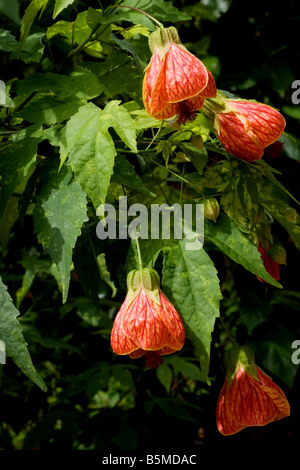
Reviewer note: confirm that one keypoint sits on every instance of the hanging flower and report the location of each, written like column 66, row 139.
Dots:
column 147, row 323
column 175, row 82
column 245, row 128
column 248, row 397
column 269, row 263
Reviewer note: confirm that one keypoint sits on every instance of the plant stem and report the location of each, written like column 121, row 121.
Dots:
column 93, row 250
column 137, row 242
column 143, row 12
column 8, row 132
column 181, row 184
column 85, row 41
column 173, row 173
column 139, row 252
column 29, row 98
column 227, row 331
column 156, row 135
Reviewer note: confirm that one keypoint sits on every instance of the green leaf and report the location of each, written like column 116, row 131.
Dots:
column 159, row 9
column 280, row 212
column 90, row 147
column 269, row 174
column 136, row 47
column 116, row 64
column 143, row 120
column 191, row 280
column 11, row 10
column 32, row 267
column 81, row 85
column 240, row 199
column 60, row 5
column 165, row 376
column 78, row 30
column 273, row 352
column 125, row 174
column 291, row 146
column 32, row 50
column 292, row 111
column 226, row 235
column 15, row 163
column 220, row 175
column 91, row 314
column 11, row 212
column 11, row 334
column 128, row 33
column 48, row 110
column 85, row 264
column 273, row 199
column 197, row 157
column 288, row 298
column 172, row 407
column 105, row 275
column 58, row 217
column 184, row 367
column 8, row 43
column 253, row 310
column 86, row 83
column 30, row 13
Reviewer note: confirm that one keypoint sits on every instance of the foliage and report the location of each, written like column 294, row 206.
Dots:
column 74, row 134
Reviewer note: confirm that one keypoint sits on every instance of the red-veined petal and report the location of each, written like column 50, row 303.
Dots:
column 182, row 75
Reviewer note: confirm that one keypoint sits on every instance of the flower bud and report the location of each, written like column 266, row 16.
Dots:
column 211, row 209
column 197, row 141
column 290, row 215
column 278, row 254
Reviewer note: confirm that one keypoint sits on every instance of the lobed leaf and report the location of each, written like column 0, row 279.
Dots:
column 88, row 145
column 125, row 174
column 30, row 13
column 191, row 280
column 58, row 217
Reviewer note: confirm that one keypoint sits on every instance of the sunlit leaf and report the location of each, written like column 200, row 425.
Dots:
column 58, row 217
column 88, row 145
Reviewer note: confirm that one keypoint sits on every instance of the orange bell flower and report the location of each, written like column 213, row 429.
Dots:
column 175, row 82
column 248, row 397
column 245, row 128
column 147, row 323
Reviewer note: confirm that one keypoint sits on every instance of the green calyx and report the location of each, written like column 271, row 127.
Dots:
column 146, row 279
column 278, row 254
column 160, row 41
column 239, row 355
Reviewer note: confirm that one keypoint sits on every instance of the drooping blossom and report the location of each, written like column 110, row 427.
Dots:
column 176, row 82
column 245, row 128
column 147, row 323
column 248, row 397
column 269, row 263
